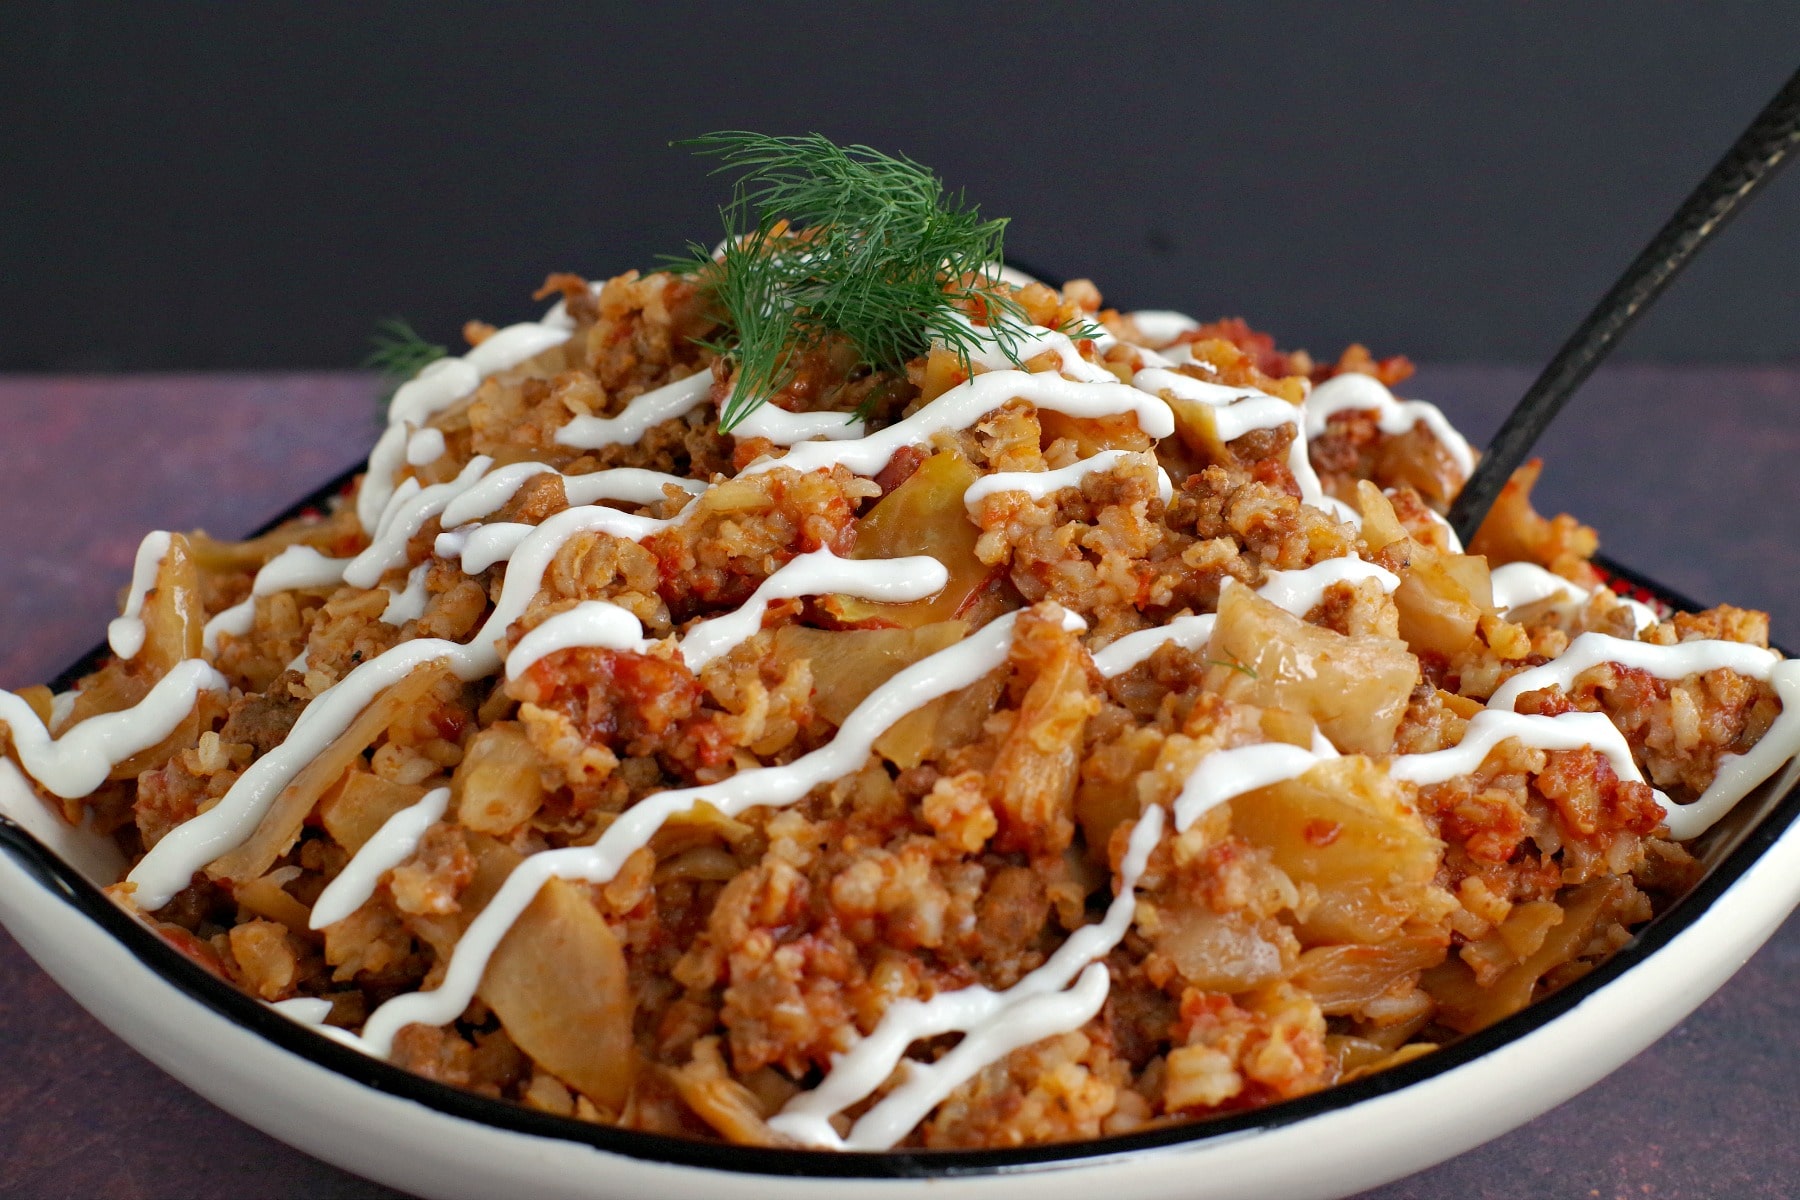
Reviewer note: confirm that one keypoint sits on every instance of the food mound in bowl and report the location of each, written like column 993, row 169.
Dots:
column 1082, row 722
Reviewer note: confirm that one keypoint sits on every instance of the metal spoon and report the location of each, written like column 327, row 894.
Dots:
column 1751, row 162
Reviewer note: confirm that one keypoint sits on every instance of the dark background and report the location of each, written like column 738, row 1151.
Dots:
column 254, row 186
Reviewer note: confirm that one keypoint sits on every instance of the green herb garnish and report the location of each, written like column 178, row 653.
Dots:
column 1235, row 666
column 824, row 240
column 399, row 353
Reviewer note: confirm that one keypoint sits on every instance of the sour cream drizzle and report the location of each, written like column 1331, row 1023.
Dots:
column 1487, row 729
column 988, row 351
column 592, row 624
column 630, row 484
column 391, row 845
column 125, row 633
column 425, row 447
column 482, row 546
column 437, row 387
column 890, row 581
column 641, row 415
column 80, row 760
column 1519, row 584
column 1225, row 774
column 1737, row 773
column 1442, row 522
column 312, row 1012
column 992, row 1023
column 595, row 623
column 295, row 567
column 1353, row 391
column 479, row 547
column 308, row 1010
column 172, row 862
column 1188, row 632
column 962, row 405
column 1297, row 592
column 186, row 849
column 1039, row 484
column 401, row 522
column 1161, row 326
column 1240, row 410
column 407, row 604
column 785, row 428
column 1664, row 662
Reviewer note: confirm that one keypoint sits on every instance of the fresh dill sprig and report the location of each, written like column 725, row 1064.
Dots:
column 399, row 353
column 1081, row 329
column 1235, row 666
column 824, row 240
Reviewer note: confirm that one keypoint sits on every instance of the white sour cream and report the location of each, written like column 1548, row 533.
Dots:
column 392, row 844
column 1039, row 484
column 80, row 760
column 125, row 634
column 1353, row 391
column 640, row 416
column 993, row 1025
column 295, row 567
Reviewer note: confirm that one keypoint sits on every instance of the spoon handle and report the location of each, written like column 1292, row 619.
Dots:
column 1751, row 162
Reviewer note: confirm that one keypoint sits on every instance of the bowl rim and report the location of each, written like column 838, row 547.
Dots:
column 224, row 999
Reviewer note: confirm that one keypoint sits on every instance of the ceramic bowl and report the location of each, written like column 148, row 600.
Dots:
column 434, row 1140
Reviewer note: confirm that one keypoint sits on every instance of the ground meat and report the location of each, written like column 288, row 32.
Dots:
column 262, row 721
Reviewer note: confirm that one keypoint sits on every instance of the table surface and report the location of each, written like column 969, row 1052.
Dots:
column 1687, row 472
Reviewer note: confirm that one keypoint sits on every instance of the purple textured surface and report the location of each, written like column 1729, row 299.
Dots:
column 1688, row 473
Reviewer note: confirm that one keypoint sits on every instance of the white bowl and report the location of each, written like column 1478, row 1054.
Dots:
column 434, row 1140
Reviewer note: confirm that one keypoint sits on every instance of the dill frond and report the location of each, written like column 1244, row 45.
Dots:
column 823, row 240
column 398, row 353
column 1084, row 329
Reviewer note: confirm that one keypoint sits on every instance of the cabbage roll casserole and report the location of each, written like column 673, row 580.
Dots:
column 830, row 690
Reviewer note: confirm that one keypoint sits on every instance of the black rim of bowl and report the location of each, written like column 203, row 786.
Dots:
column 208, row 989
